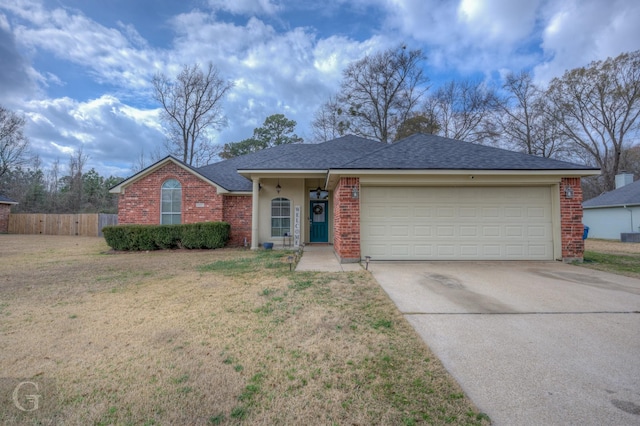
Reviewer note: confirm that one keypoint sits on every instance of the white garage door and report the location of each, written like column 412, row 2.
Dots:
column 456, row 223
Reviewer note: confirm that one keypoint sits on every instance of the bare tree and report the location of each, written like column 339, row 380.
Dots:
column 329, row 121
column 379, row 92
column 192, row 105
column 13, row 142
column 597, row 108
column 461, row 110
column 73, row 181
column 524, row 119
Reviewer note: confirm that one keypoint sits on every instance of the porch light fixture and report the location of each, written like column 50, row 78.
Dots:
column 278, row 187
column 568, row 192
column 354, row 192
column 318, row 192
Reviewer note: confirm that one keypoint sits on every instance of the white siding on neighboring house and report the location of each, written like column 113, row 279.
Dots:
column 609, row 222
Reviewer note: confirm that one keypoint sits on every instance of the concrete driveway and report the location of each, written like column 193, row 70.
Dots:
column 531, row 343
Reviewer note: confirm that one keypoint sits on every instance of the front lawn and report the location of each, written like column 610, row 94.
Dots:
column 613, row 256
column 208, row 337
column 622, row 264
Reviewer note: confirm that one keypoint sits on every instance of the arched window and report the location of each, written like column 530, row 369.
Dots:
column 171, row 202
column 280, row 217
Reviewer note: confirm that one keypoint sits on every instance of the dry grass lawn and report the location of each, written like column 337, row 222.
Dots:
column 209, row 337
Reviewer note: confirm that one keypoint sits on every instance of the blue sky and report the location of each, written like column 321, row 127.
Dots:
column 80, row 70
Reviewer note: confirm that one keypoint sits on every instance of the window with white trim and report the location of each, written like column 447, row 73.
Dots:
column 280, row 217
column 171, row 204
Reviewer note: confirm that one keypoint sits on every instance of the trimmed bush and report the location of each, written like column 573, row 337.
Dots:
column 204, row 235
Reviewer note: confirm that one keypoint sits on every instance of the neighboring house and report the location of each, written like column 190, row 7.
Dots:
column 5, row 210
column 614, row 212
column 422, row 198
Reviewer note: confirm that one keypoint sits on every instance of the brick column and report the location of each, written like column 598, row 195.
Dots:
column 571, row 221
column 5, row 209
column 346, row 220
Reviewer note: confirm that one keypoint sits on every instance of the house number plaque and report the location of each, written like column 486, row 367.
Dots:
column 296, row 227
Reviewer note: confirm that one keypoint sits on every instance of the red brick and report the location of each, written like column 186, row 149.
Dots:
column 140, row 203
column 346, row 220
column 571, row 220
column 5, row 209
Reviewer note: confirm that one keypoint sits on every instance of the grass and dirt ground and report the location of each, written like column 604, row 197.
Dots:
column 208, row 337
column 612, row 256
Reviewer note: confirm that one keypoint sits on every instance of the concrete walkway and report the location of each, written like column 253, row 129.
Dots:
column 322, row 258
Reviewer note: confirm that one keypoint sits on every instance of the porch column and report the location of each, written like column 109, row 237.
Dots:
column 254, row 214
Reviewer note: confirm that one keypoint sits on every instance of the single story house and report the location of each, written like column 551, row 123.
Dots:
column 422, row 198
column 614, row 212
column 5, row 210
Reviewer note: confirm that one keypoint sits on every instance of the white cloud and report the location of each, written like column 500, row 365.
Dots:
column 290, row 72
column 498, row 21
column 246, row 7
column 108, row 131
column 578, row 32
column 115, row 57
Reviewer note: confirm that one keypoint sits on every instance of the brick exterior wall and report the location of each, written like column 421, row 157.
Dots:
column 140, row 202
column 237, row 211
column 571, row 221
column 346, row 220
column 5, row 209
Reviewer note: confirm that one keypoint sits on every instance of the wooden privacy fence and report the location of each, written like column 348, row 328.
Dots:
column 84, row 225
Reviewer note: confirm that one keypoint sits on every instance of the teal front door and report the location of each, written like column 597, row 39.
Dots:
column 318, row 217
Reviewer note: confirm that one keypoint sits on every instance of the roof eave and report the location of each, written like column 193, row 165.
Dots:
column 284, row 173
column 611, row 206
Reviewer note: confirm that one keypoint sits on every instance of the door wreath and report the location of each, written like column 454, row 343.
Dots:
column 317, row 209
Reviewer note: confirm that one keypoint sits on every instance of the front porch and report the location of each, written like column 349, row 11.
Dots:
column 300, row 209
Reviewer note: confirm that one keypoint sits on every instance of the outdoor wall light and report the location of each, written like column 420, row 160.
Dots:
column 278, row 187
column 354, row 192
column 318, row 192
column 568, row 192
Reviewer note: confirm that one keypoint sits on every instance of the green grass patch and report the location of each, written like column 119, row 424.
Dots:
column 273, row 260
column 623, row 264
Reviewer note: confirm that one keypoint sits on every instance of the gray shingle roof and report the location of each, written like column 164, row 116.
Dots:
column 431, row 152
column 628, row 195
column 319, row 157
column 6, row 200
column 417, row 152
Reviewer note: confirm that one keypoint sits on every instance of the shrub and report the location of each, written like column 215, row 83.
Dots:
column 204, row 235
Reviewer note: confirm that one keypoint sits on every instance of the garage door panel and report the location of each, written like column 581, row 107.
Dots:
column 422, row 231
column 401, row 250
column 468, row 231
column 399, row 230
column 514, row 231
column 490, row 231
column 456, row 223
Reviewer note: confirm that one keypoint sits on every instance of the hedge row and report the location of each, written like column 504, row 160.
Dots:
column 204, row 235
